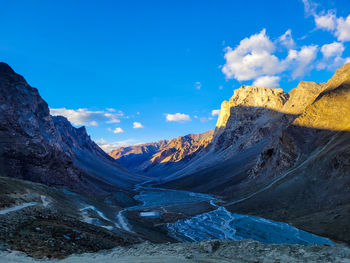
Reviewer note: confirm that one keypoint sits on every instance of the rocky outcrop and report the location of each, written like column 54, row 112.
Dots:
column 155, row 158
column 36, row 148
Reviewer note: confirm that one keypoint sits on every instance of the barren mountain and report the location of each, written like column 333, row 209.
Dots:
column 281, row 155
column 134, row 157
column 38, row 147
column 157, row 158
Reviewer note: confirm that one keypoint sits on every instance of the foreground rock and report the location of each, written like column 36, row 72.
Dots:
column 235, row 252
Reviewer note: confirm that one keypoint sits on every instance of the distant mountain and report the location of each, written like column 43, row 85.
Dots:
column 38, row 147
column 154, row 159
column 283, row 156
column 133, row 157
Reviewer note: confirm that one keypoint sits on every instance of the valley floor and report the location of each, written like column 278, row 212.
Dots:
column 205, row 251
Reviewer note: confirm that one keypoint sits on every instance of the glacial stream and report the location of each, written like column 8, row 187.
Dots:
column 218, row 223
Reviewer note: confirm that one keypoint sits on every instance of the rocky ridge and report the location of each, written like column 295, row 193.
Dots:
column 155, row 158
column 31, row 147
column 38, row 147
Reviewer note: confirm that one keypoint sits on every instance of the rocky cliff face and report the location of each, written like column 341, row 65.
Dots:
column 31, row 147
column 281, row 156
column 156, row 158
column 37, row 147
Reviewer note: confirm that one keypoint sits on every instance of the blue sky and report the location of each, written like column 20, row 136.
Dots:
column 141, row 71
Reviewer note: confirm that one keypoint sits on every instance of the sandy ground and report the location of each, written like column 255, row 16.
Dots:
column 246, row 251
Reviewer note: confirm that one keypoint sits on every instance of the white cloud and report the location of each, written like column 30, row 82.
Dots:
column 111, row 109
column 267, row 81
column 198, row 85
column 334, row 49
column 252, row 58
column 326, row 22
column 339, row 26
column 287, row 40
column 109, row 146
column 343, row 29
column 215, row 112
column 178, row 117
column 300, row 61
column 137, row 125
column 203, row 119
column 87, row 117
column 118, row 130
column 332, row 56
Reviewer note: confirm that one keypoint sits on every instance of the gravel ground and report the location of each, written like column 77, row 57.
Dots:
column 246, row 251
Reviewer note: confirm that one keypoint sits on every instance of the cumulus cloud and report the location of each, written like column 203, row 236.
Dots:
column 338, row 26
column 215, row 112
column 178, row 117
column 301, row 60
column 258, row 58
column 343, row 29
column 137, row 125
column 287, row 40
column 118, row 130
column 87, row 117
column 252, row 58
column 334, row 49
column 332, row 56
column 267, row 81
column 326, row 22
column 109, row 146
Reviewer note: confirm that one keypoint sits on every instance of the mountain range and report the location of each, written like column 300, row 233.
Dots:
column 163, row 156
column 277, row 155
column 283, row 156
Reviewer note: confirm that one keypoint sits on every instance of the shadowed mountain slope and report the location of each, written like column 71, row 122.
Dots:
column 34, row 147
column 281, row 156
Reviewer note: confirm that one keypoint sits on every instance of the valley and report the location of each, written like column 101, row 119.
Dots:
column 275, row 170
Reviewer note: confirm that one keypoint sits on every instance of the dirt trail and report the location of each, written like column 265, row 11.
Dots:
column 16, row 208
